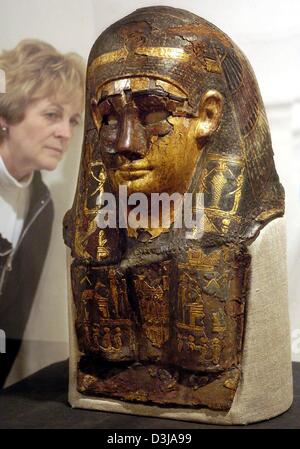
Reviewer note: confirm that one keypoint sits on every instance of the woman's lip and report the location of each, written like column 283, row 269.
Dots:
column 59, row 150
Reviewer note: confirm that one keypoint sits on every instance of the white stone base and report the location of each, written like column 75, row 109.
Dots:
column 265, row 389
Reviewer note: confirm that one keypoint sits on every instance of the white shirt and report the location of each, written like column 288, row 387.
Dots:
column 14, row 203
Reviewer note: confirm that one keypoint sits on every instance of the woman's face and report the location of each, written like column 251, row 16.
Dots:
column 41, row 139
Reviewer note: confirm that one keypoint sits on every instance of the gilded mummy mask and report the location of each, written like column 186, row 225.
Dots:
column 167, row 89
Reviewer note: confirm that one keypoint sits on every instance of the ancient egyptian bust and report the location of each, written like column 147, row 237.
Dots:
column 172, row 105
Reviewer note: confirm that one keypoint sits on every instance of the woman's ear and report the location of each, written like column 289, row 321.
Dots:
column 3, row 128
column 210, row 112
column 97, row 118
column 3, row 122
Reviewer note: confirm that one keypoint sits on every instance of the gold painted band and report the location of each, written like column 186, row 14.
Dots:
column 155, row 52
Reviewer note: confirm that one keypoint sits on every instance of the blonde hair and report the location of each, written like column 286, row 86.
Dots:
column 34, row 70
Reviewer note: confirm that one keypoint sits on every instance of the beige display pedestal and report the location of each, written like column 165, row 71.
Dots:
column 265, row 389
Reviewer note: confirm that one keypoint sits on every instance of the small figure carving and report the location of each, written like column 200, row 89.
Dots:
column 216, row 347
column 180, row 342
column 203, row 347
column 117, row 338
column 106, row 344
column 191, row 343
column 218, row 321
column 96, row 343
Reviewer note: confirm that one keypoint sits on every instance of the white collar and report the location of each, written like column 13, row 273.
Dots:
column 8, row 181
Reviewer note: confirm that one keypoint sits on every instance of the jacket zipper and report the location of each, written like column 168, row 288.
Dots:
column 8, row 265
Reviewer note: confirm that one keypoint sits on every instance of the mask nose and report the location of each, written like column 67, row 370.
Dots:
column 132, row 142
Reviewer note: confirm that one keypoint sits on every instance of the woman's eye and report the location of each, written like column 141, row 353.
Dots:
column 155, row 117
column 74, row 122
column 52, row 115
column 110, row 119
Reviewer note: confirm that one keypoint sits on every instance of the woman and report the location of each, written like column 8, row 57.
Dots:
column 38, row 114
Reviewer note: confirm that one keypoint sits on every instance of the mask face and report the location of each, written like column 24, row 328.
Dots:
column 145, row 144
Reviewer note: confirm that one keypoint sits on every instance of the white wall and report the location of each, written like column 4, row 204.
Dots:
column 268, row 32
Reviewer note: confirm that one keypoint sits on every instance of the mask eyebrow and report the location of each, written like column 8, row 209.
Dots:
column 151, row 102
column 113, row 104
column 158, row 93
column 104, row 107
column 147, row 100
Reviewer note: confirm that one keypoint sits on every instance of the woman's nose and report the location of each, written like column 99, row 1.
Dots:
column 64, row 130
column 132, row 142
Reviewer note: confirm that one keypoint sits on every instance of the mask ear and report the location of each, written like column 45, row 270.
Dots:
column 210, row 113
column 97, row 118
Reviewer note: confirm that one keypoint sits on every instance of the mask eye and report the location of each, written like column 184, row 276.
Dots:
column 110, row 120
column 155, row 117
